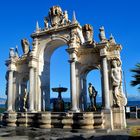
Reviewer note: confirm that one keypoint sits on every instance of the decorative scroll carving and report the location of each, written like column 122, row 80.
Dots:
column 116, row 75
column 87, row 32
column 25, row 46
column 74, row 40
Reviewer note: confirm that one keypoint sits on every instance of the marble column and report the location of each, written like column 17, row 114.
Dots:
column 105, row 83
column 39, row 94
column 31, row 93
column 10, row 91
column 14, row 93
column 35, row 91
column 78, row 88
column 73, row 85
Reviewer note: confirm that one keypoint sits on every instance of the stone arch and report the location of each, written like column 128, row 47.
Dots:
column 85, row 54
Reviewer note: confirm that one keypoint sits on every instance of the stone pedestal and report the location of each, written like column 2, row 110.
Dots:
column 107, row 118
column 119, row 119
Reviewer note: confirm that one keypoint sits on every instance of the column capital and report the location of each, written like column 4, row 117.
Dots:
column 72, row 60
column 72, row 50
column 103, row 52
column 12, row 67
column 102, row 45
column 32, row 64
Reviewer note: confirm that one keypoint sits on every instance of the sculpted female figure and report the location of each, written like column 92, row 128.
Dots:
column 116, row 74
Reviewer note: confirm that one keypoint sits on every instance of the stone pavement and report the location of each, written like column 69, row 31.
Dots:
column 20, row 133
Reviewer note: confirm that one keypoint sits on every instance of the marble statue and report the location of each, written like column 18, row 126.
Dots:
column 87, row 33
column 46, row 22
column 65, row 19
column 116, row 74
column 24, row 100
column 102, row 36
column 92, row 95
column 25, row 46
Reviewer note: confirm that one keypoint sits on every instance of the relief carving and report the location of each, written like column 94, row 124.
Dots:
column 57, row 17
column 74, row 38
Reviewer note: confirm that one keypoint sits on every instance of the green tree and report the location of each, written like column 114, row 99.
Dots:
column 136, row 76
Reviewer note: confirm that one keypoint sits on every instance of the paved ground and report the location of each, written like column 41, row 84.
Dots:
column 133, row 122
column 19, row 133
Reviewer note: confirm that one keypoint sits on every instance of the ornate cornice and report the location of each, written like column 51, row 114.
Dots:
column 53, row 30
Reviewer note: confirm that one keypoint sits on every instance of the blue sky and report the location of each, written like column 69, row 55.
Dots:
column 119, row 17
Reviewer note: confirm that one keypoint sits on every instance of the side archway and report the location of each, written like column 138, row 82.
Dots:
column 87, row 75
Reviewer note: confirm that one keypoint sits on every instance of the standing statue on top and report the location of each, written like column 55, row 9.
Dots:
column 102, row 36
column 25, row 46
column 65, row 19
column 116, row 75
column 92, row 95
column 46, row 22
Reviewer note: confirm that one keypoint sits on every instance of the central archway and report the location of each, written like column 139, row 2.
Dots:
column 60, row 73
column 44, row 69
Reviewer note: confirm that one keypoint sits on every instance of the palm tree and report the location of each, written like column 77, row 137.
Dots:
column 136, row 76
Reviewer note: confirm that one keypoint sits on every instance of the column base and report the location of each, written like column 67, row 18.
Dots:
column 31, row 110
column 108, row 118
column 9, row 111
column 74, row 110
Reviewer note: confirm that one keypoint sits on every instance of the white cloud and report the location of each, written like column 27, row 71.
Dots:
column 134, row 97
